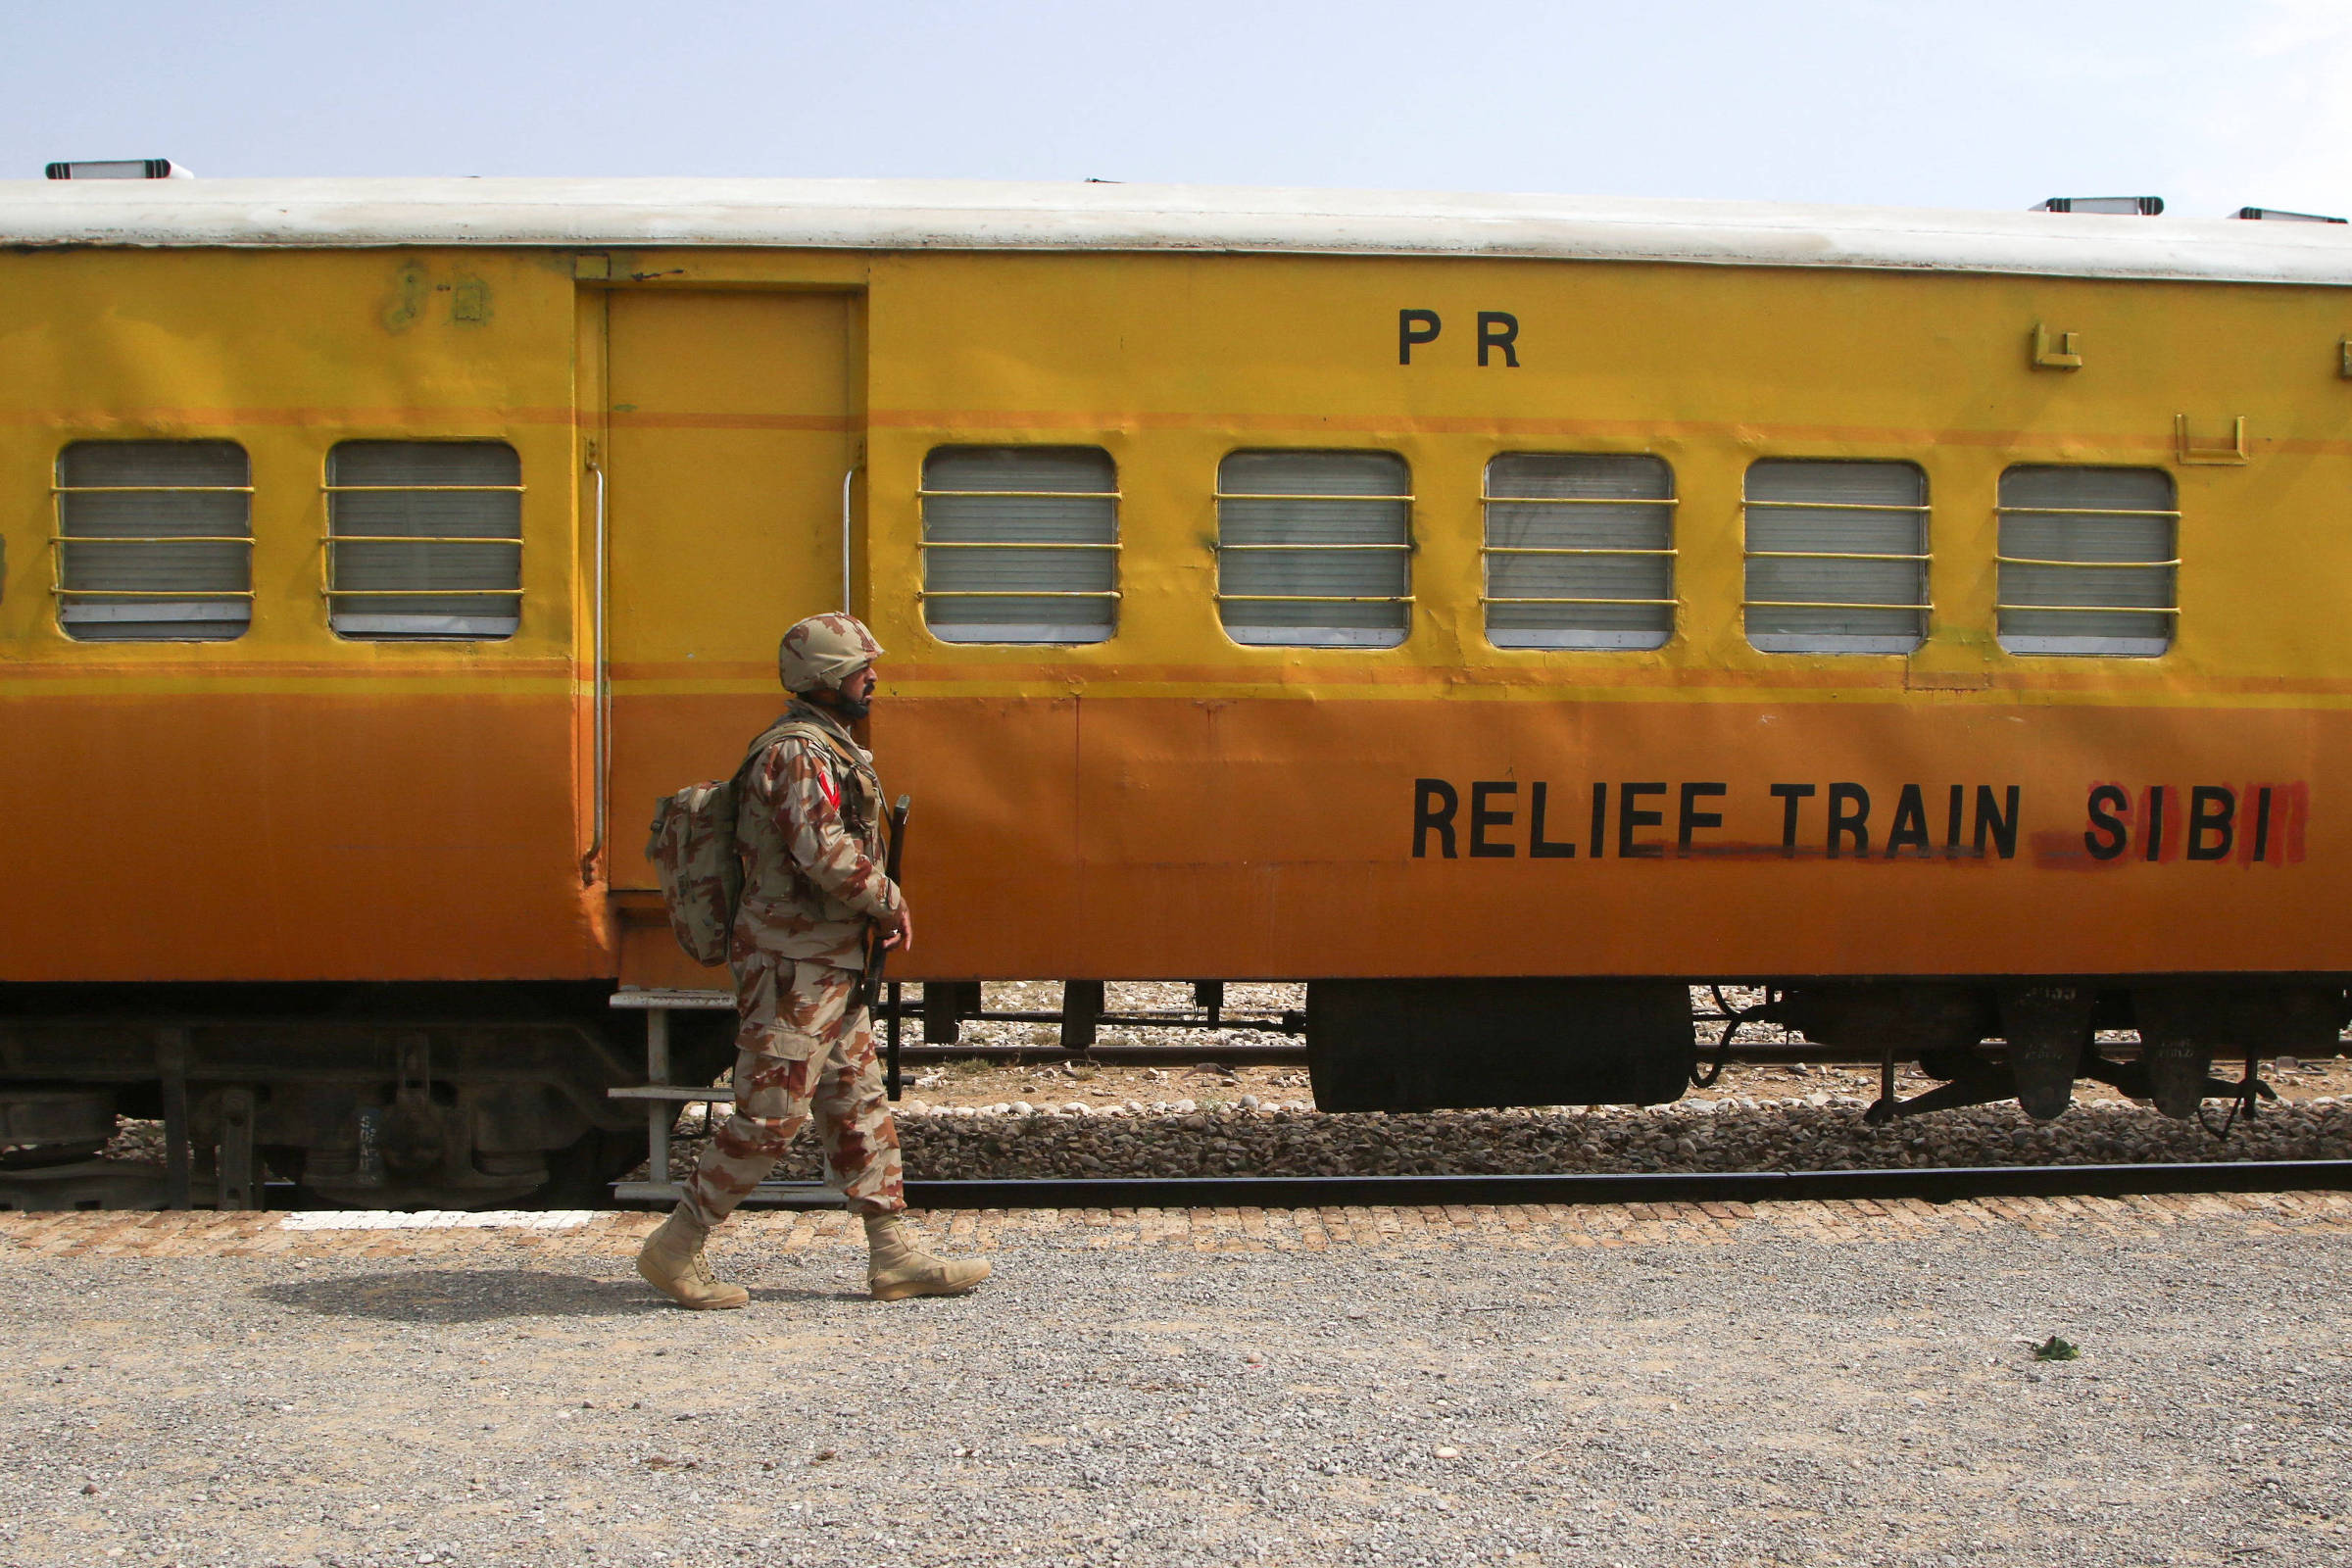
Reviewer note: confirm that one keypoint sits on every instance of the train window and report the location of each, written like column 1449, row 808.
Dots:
column 1580, row 550
column 154, row 541
column 424, row 539
column 1837, row 556
column 1313, row 549
column 1021, row 544
column 2088, row 561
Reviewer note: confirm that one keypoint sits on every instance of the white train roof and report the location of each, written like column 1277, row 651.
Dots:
column 960, row 214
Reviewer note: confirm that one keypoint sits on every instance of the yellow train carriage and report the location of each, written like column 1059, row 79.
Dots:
column 1360, row 589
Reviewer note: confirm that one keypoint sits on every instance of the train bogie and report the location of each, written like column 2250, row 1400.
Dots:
column 2034, row 1040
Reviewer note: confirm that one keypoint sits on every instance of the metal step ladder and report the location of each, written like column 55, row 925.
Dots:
column 663, row 1099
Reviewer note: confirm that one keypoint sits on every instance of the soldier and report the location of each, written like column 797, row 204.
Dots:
column 810, row 827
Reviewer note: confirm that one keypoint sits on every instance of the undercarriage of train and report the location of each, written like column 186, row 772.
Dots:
column 387, row 1097
column 500, row 1096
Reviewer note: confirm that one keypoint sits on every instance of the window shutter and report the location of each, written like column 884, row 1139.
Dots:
column 2088, row 561
column 1837, row 556
column 1580, row 550
column 1021, row 544
column 1312, row 548
column 155, row 540
column 424, row 539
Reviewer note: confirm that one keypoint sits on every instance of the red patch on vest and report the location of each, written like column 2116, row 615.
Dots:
column 832, row 791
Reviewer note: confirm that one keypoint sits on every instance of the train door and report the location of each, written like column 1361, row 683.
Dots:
column 732, row 424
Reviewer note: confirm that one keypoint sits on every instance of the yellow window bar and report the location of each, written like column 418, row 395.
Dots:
column 1028, row 495
column 1018, row 544
column 2083, row 511
column 424, row 593
column 1594, row 600
column 1317, row 598
column 1017, row 593
column 58, row 542
column 1285, row 494
column 423, row 489
column 1920, row 558
column 244, row 539
column 2092, row 566
column 1112, row 545
column 1313, row 546
column 1582, row 501
column 2003, row 605
column 1918, row 608
column 152, row 593
column 334, row 539
column 1830, row 555
column 1579, row 550
column 59, row 539
column 1836, row 505
column 1336, row 544
column 151, row 490
column 1638, row 552
column 326, row 556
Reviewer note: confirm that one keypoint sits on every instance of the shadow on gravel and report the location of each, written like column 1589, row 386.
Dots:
column 465, row 1296
column 496, row 1294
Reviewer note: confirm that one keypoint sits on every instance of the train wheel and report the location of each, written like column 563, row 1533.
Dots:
column 2048, row 1025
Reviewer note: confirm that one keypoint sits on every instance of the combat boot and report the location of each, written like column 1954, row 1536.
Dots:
column 672, row 1262
column 898, row 1268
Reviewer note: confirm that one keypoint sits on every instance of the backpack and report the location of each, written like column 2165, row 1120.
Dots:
column 694, row 850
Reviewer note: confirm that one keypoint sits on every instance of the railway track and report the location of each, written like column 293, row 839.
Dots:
column 1938, row 1184
column 1929, row 1184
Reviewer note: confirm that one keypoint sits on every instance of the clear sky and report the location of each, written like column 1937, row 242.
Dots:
column 1940, row 103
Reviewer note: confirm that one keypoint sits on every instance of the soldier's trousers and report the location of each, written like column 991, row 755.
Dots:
column 807, row 1045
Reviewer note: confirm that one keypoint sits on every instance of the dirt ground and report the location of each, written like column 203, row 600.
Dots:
column 1644, row 1386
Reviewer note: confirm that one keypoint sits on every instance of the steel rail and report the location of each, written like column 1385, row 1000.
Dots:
column 1937, row 1185
column 1762, row 1052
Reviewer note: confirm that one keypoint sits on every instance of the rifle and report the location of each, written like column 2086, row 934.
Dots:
column 876, row 954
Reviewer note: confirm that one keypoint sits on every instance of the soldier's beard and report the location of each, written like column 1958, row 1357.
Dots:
column 841, row 703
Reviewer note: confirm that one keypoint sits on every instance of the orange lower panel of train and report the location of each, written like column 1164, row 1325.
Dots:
column 320, row 837
column 206, row 837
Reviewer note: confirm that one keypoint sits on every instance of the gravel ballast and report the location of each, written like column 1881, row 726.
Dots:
column 1190, row 1139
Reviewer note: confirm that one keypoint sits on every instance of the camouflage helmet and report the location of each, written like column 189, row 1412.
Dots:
column 823, row 651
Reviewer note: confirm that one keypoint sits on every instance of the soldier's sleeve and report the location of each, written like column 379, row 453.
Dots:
column 806, row 814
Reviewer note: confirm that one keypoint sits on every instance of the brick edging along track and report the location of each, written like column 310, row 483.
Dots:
column 1531, row 1226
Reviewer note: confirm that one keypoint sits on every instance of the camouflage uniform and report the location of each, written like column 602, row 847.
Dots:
column 809, row 823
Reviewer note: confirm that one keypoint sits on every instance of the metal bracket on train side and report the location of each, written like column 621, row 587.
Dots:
column 2056, row 351
column 2187, row 451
